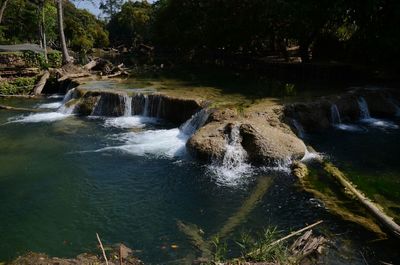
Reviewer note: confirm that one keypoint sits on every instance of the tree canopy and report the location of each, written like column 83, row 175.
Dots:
column 364, row 31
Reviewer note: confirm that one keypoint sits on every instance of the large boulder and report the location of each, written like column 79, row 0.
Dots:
column 266, row 145
column 209, row 142
column 313, row 116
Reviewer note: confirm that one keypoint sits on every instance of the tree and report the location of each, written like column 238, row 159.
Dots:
column 110, row 7
column 131, row 26
column 3, row 7
column 64, row 50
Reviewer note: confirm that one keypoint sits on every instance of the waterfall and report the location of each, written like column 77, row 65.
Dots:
column 127, row 105
column 364, row 111
column 233, row 166
column 67, row 109
column 335, row 115
column 146, row 106
column 68, row 96
column 195, row 122
column 299, row 128
column 159, row 108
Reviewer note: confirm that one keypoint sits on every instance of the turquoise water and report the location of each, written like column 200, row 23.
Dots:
column 65, row 178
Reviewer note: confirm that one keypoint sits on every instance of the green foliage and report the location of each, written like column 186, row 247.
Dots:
column 131, row 26
column 261, row 249
column 220, row 249
column 110, row 7
column 55, row 59
column 83, row 30
column 34, row 59
column 18, row 86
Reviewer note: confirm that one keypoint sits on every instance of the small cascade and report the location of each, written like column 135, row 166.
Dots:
column 195, row 122
column 335, row 115
column 97, row 108
column 159, row 108
column 65, row 108
column 146, row 107
column 364, row 111
column 127, row 105
column 233, row 166
column 299, row 128
column 68, row 96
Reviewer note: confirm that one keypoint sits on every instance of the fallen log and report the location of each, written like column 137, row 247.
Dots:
column 116, row 74
column 37, row 90
column 90, row 65
column 382, row 217
column 5, row 107
column 71, row 76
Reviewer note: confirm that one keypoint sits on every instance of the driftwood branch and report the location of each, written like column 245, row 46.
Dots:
column 71, row 76
column 296, row 233
column 288, row 236
column 102, row 248
column 37, row 90
column 89, row 66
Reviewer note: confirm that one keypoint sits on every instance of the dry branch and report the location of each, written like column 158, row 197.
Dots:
column 102, row 248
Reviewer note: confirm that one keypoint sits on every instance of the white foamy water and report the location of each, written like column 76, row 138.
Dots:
column 39, row 117
column 159, row 143
column 56, row 96
column 127, row 122
column 233, row 169
column 53, row 105
column 350, row 127
column 377, row 123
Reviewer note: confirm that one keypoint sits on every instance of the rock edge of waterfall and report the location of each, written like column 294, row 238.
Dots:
column 270, row 136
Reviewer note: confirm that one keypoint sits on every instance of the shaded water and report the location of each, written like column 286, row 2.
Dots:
column 65, row 178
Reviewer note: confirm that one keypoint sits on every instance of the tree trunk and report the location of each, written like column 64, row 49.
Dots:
column 65, row 56
column 42, row 30
column 43, row 33
column 3, row 7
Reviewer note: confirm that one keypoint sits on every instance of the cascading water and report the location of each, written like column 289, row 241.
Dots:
column 299, row 128
column 127, row 105
column 335, row 115
column 364, row 111
column 233, row 167
column 195, row 122
column 164, row 142
column 146, row 106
